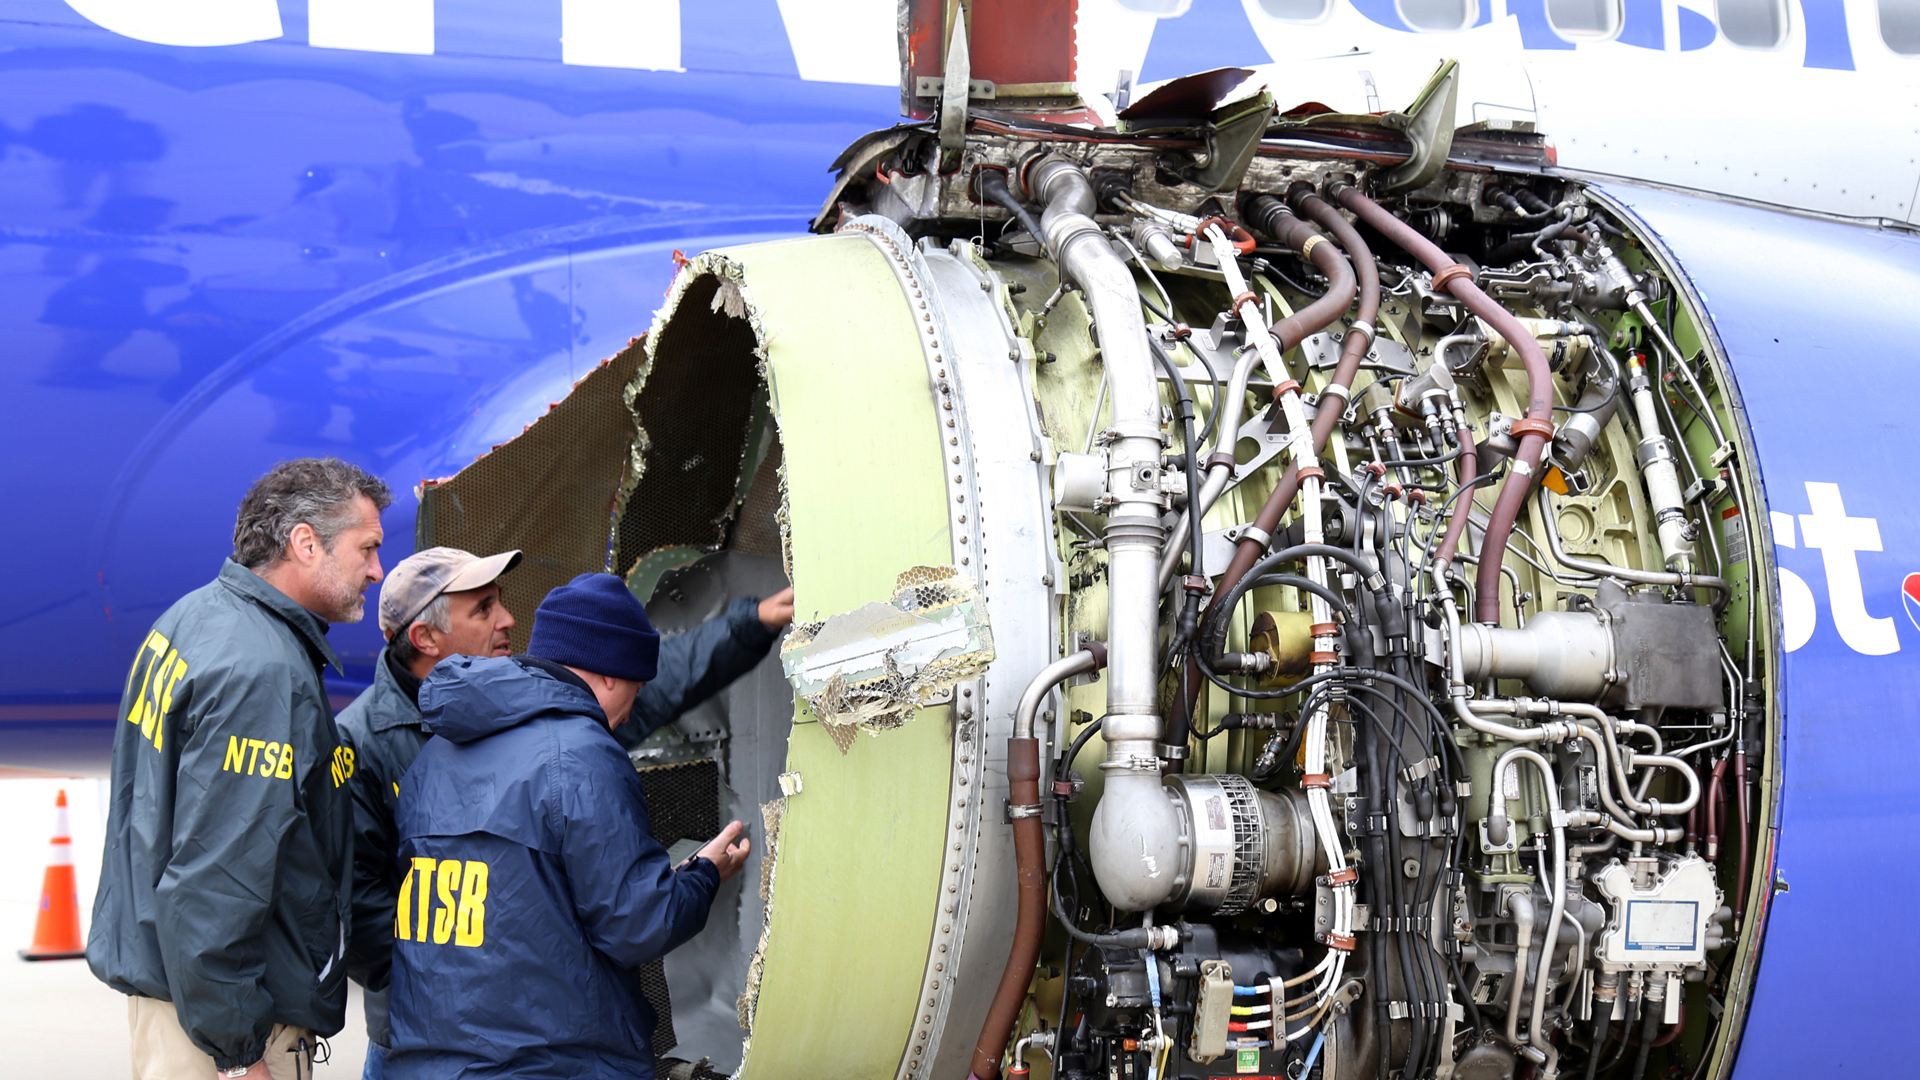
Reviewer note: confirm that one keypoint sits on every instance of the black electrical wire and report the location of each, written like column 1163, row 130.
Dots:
column 1295, row 736
column 1219, row 391
column 1179, row 726
column 1184, row 406
column 1426, row 749
column 1392, row 743
column 1223, row 606
column 1423, row 463
column 1613, row 385
column 1381, row 887
column 1342, row 612
column 1269, row 253
column 992, row 186
column 1073, row 751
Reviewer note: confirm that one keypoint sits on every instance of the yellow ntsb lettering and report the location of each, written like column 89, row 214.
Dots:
column 342, row 767
column 258, row 757
column 471, row 929
column 151, row 681
column 460, row 917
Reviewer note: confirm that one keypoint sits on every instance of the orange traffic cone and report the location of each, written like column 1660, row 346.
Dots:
column 56, row 933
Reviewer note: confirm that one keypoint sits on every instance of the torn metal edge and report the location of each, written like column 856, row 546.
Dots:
column 737, row 300
column 771, row 816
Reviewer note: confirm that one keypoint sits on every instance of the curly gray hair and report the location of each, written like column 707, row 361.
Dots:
column 318, row 491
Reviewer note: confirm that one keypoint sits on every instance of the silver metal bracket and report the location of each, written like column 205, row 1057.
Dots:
column 1428, row 124
column 955, row 89
column 935, row 86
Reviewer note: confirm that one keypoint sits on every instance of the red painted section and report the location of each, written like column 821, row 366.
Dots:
column 1023, row 41
column 1011, row 41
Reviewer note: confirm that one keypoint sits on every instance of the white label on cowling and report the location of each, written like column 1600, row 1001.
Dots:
column 1734, row 532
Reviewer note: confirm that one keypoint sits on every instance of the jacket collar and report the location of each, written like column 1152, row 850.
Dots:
column 311, row 628
column 395, row 704
column 558, row 671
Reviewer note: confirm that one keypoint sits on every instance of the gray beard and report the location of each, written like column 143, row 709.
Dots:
column 341, row 600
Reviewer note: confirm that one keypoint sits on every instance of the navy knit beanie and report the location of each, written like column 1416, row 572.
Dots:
column 595, row 624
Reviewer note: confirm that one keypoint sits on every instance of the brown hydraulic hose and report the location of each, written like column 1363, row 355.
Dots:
column 1717, row 811
column 1457, row 521
column 1271, row 216
column 1344, row 278
column 1534, row 429
column 1266, row 213
column 1739, row 786
column 1029, row 848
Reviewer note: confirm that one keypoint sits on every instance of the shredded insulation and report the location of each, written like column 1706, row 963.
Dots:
column 872, row 667
column 771, row 815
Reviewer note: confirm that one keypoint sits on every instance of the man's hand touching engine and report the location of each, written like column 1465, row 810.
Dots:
column 728, row 851
column 776, row 611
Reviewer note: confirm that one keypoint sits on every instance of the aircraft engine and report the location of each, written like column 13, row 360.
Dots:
column 1261, row 610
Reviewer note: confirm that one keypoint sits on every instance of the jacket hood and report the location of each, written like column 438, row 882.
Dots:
column 467, row 698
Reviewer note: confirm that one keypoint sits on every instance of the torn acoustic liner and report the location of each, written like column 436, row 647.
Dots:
column 873, row 666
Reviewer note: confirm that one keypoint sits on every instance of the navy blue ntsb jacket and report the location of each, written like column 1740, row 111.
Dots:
column 533, row 888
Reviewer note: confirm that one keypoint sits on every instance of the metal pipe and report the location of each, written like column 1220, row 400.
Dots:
column 1659, row 472
column 1136, row 828
column 1521, row 906
column 1219, row 472
column 1462, row 509
column 1622, row 573
column 1457, row 691
column 1537, row 1022
column 1354, row 272
column 1032, row 1040
column 1604, row 742
column 1091, row 658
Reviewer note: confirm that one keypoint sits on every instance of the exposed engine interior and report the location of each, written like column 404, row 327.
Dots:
column 1376, row 684
column 1408, row 538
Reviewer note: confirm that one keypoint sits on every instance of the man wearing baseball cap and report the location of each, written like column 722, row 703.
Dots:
column 441, row 603
column 534, row 889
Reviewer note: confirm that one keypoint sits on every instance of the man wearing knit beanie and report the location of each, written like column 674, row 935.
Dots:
column 536, row 889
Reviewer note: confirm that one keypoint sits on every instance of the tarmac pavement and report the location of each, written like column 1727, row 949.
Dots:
column 56, row 1019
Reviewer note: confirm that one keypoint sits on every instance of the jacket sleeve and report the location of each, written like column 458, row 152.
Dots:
column 698, row 664
column 234, row 804
column 370, row 944
column 630, row 900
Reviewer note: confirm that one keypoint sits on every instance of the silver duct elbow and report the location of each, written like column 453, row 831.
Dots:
column 1138, row 848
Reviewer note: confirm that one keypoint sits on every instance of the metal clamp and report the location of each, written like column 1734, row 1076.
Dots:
column 1015, row 811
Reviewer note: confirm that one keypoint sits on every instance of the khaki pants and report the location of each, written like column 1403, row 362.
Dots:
column 162, row 1051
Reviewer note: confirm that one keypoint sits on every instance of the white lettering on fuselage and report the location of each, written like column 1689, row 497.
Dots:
column 1839, row 539
column 848, row 41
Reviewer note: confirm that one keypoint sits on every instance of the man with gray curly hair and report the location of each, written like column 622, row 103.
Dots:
column 225, row 891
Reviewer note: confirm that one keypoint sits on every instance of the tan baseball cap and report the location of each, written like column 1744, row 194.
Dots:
column 420, row 577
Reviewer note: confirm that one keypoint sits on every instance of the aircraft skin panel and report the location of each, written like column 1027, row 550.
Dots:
column 1820, row 391
column 849, row 929
column 221, row 258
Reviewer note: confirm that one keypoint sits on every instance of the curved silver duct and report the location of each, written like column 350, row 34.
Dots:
column 1136, row 840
